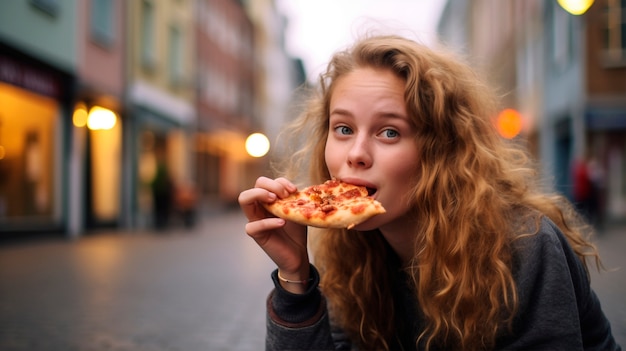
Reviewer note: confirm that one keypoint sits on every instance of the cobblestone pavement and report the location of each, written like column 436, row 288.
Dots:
column 202, row 289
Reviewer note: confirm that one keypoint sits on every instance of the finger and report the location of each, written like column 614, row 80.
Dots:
column 257, row 229
column 287, row 184
column 261, row 180
column 281, row 186
column 253, row 195
column 249, row 202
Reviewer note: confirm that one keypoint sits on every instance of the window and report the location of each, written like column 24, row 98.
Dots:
column 562, row 40
column 615, row 32
column 102, row 29
column 50, row 7
column 175, row 56
column 148, row 51
column 29, row 186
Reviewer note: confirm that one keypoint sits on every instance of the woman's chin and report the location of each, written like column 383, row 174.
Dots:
column 368, row 225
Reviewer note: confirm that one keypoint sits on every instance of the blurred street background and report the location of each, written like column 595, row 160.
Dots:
column 177, row 289
column 128, row 129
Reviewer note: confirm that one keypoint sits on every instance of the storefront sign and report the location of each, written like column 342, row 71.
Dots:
column 29, row 77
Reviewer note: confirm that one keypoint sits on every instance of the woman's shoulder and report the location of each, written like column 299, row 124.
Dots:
column 544, row 256
column 542, row 248
column 537, row 232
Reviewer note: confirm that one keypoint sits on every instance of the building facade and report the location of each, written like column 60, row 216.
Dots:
column 605, row 100
column 106, row 103
column 225, row 90
column 160, row 96
column 96, row 154
column 37, row 79
column 279, row 75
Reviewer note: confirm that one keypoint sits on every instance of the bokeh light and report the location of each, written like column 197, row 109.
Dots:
column 257, row 145
column 101, row 118
column 575, row 7
column 80, row 115
column 509, row 123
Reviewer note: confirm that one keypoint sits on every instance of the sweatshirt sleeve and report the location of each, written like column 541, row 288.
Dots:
column 298, row 321
column 558, row 310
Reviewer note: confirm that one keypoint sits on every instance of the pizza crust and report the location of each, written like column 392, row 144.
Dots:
column 333, row 204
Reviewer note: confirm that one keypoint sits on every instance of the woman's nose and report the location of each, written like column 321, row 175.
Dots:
column 359, row 154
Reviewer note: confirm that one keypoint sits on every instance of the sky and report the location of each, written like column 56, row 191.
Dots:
column 318, row 28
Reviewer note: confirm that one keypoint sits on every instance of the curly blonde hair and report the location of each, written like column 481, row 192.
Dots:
column 470, row 192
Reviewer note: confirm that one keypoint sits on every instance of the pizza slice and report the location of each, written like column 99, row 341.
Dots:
column 333, row 204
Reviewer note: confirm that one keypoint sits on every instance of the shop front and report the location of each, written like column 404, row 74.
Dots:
column 162, row 166
column 606, row 128
column 97, row 155
column 34, row 110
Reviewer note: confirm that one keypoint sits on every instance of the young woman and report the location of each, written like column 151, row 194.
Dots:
column 470, row 254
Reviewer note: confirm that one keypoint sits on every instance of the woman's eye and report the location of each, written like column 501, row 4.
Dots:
column 390, row 133
column 343, row 130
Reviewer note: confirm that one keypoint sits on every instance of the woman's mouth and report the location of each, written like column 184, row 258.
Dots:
column 371, row 191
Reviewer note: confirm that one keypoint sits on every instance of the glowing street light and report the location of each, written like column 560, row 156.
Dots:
column 575, row 7
column 100, row 118
column 257, row 145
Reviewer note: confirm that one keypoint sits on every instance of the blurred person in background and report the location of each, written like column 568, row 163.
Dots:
column 470, row 255
column 186, row 202
column 162, row 191
column 588, row 189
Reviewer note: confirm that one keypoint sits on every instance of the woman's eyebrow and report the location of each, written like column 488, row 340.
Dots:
column 340, row 111
column 393, row 115
column 343, row 112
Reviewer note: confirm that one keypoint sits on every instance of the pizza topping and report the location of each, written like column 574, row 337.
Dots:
column 351, row 194
column 328, row 208
column 358, row 208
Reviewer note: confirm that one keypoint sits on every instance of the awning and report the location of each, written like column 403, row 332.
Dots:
column 602, row 119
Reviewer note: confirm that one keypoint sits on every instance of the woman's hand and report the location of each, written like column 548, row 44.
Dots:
column 284, row 242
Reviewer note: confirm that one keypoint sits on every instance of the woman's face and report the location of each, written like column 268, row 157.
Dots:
column 371, row 141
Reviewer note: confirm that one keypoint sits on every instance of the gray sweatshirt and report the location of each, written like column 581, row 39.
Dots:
column 558, row 310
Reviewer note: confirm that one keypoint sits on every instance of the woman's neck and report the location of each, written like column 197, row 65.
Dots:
column 400, row 235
